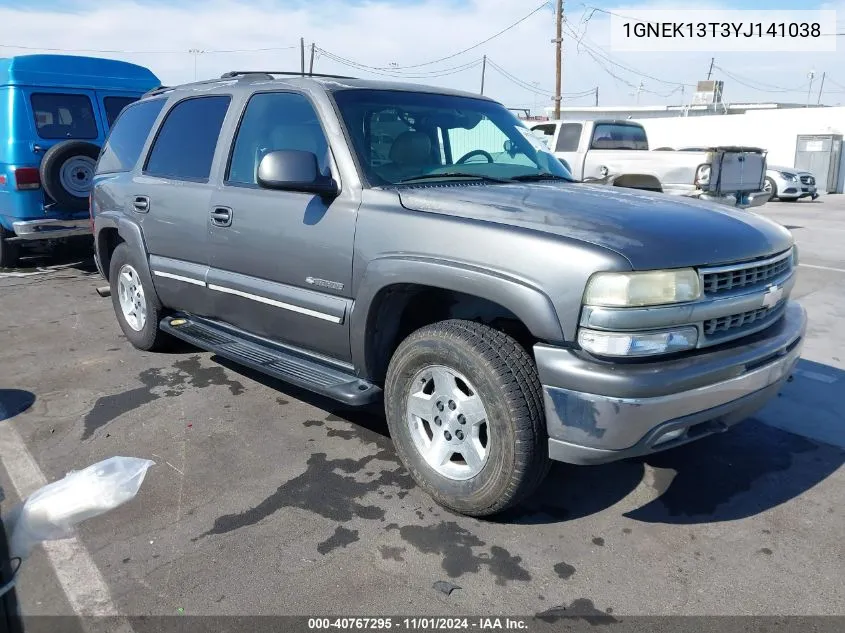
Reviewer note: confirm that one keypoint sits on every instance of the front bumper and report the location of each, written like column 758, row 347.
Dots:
column 601, row 412
column 797, row 191
column 47, row 229
column 740, row 200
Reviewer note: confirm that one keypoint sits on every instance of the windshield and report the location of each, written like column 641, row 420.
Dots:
column 403, row 136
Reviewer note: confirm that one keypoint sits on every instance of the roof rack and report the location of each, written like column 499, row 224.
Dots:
column 269, row 74
column 157, row 91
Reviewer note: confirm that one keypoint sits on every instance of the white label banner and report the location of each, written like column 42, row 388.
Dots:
column 716, row 30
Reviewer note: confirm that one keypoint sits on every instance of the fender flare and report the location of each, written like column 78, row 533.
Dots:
column 131, row 233
column 530, row 304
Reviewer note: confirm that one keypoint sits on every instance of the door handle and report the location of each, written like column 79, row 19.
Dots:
column 221, row 216
column 141, row 204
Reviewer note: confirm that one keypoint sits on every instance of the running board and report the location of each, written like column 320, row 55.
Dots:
column 285, row 365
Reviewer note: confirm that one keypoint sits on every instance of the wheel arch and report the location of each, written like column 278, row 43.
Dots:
column 398, row 295
column 113, row 230
column 646, row 182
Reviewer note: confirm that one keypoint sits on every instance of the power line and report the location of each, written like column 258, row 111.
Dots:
column 398, row 74
column 465, row 50
column 531, row 88
column 591, row 46
column 749, row 83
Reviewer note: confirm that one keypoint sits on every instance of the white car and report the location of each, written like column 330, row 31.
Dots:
column 786, row 183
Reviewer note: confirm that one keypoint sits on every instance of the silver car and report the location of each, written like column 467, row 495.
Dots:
column 786, row 183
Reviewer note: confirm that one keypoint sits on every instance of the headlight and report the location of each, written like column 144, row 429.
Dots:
column 702, row 175
column 637, row 343
column 787, row 176
column 657, row 287
column 795, row 256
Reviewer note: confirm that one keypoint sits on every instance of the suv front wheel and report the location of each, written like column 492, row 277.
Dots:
column 135, row 303
column 465, row 410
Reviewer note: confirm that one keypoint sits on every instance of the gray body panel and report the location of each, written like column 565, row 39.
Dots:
column 651, row 230
column 276, row 242
column 175, row 230
column 311, row 273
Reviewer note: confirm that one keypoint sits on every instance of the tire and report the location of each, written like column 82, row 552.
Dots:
column 67, row 170
column 144, row 333
column 10, row 252
column 773, row 188
column 495, row 368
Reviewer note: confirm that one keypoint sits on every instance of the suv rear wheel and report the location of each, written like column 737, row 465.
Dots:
column 465, row 411
column 135, row 303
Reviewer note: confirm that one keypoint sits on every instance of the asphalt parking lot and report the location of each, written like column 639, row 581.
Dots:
column 266, row 500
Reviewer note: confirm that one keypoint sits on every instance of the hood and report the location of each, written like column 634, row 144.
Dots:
column 791, row 170
column 651, row 230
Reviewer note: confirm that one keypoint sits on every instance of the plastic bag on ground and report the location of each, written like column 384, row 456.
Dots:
column 53, row 510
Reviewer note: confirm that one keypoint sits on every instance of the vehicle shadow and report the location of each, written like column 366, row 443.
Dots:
column 369, row 421
column 14, row 401
column 753, row 467
column 749, row 470
column 77, row 253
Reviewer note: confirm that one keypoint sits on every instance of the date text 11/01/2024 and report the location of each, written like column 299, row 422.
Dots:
column 419, row 624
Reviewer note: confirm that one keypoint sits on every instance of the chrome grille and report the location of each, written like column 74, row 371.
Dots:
column 808, row 180
column 733, row 321
column 726, row 278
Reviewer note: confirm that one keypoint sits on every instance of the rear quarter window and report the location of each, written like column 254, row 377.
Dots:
column 186, row 141
column 127, row 137
column 569, row 137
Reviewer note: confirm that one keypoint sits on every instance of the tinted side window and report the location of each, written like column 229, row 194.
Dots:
column 114, row 106
column 127, row 137
column 567, row 140
column 619, row 136
column 275, row 121
column 63, row 116
column 184, row 147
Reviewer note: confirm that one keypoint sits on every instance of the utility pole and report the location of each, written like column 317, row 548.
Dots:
column 639, row 90
column 597, row 96
column 483, row 72
column 710, row 72
column 195, row 52
column 810, row 76
column 558, row 41
column 821, row 87
column 302, row 54
column 311, row 64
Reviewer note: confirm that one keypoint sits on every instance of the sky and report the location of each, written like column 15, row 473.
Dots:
column 401, row 39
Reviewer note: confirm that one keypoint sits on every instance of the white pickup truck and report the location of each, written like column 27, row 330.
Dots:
column 617, row 153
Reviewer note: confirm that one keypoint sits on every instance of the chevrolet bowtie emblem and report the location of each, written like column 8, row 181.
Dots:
column 772, row 296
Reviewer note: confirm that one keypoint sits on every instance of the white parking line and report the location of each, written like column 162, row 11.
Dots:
column 814, row 375
column 81, row 580
column 836, row 270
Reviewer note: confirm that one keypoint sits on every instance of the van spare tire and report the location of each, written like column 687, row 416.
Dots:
column 67, row 173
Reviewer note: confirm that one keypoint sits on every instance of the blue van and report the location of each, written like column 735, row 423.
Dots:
column 55, row 112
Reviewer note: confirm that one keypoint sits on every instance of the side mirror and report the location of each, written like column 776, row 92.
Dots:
column 510, row 147
column 294, row 170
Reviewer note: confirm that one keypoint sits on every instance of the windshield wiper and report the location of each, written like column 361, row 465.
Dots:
column 540, row 176
column 452, row 174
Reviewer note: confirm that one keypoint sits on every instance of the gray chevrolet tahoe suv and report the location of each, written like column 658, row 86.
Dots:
column 369, row 240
